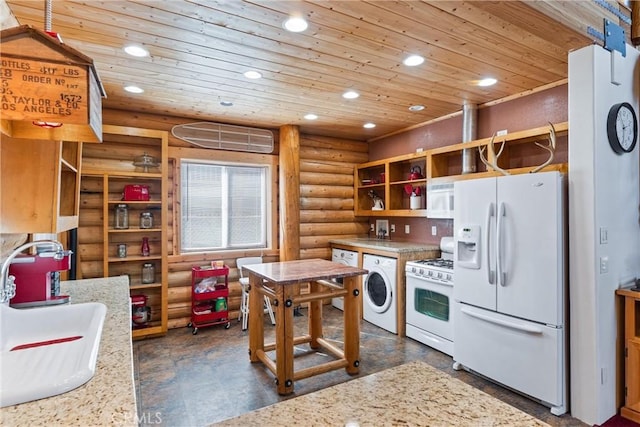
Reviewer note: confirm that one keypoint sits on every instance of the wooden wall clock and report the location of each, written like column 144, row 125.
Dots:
column 622, row 128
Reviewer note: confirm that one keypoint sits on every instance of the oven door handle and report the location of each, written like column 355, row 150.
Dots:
column 490, row 272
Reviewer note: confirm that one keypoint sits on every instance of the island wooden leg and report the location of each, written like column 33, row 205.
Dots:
column 315, row 317
column 256, row 325
column 284, row 339
column 351, row 318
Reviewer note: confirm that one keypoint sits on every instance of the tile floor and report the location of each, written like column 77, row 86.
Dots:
column 196, row 380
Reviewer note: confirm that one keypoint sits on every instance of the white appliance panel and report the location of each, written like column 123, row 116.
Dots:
column 530, row 258
column 345, row 257
column 526, row 356
column 474, row 199
column 432, row 340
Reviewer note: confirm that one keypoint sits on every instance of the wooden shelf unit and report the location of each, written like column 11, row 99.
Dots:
column 40, row 185
column 631, row 408
column 392, row 191
column 109, row 169
column 443, row 164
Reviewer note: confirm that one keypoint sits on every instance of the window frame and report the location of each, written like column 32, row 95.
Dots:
column 179, row 154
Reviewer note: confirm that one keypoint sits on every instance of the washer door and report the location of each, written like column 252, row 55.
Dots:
column 377, row 291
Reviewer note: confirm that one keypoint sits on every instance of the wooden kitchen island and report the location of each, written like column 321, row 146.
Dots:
column 278, row 281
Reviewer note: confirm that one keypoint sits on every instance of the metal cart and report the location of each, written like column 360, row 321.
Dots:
column 209, row 297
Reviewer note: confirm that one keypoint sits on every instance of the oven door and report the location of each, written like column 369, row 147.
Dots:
column 430, row 306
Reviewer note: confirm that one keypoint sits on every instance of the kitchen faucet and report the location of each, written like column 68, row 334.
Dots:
column 7, row 282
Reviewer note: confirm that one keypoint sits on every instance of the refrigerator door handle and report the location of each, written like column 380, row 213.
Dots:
column 502, row 275
column 490, row 273
column 522, row 328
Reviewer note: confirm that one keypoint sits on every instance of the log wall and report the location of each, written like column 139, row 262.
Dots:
column 326, row 210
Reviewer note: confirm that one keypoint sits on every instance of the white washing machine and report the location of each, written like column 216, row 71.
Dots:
column 379, row 291
column 345, row 257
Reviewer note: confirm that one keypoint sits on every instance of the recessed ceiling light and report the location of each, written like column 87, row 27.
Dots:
column 310, row 116
column 369, row 125
column 416, row 108
column 413, row 60
column 252, row 74
column 487, row 82
column 136, row 50
column 226, row 103
column 350, row 94
column 133, row 89
column 295, row 24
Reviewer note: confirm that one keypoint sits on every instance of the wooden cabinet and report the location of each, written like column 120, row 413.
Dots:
column 109, row 169
column 445, row 163
column 39, row 185
column 631, row 408
column 389, row 178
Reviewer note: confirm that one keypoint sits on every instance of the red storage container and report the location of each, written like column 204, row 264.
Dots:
column 135, row 192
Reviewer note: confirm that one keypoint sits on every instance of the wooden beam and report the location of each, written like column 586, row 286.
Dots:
column 289, row 193
column 635, row 22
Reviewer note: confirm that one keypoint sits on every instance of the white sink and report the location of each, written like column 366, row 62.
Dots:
column 47, row 351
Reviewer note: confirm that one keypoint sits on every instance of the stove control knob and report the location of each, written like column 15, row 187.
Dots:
column 413, row 270
column 439, row 275
column 449, row 277
column 430, row 273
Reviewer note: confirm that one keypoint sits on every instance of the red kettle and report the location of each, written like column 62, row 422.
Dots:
column 416, row 173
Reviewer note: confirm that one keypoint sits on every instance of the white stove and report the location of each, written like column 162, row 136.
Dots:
column 440, row 269
column 429, row 285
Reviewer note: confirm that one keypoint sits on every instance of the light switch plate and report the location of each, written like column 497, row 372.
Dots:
column 393, row 228
column 604, row 235
column 407, row 229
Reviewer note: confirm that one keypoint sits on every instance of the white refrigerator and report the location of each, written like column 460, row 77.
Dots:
column 509, row 290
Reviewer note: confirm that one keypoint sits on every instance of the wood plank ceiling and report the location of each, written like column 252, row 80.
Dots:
column 200, row 49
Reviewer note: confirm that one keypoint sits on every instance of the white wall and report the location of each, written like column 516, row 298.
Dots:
column 603, row 193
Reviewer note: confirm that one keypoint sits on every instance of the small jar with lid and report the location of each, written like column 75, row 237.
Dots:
column 148, row 273
column 146, row 220
column 121, row 221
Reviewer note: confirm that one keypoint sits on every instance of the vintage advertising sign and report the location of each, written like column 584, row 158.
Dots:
column 43, row 91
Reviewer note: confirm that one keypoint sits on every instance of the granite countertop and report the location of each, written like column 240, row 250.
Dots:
column 411, row 394
column 385, row 244
column 109, row 397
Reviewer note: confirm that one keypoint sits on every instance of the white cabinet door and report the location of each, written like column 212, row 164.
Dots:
column 475, row 206
column 526, row 356
column 530, row 257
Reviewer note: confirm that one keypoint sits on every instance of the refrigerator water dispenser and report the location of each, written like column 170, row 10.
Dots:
column 469, row 247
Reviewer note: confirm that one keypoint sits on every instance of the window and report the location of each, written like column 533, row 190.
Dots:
column 223, row 206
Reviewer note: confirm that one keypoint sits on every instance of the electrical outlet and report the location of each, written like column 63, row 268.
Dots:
column 382, row 227
column 372, row 227
column 501, row 132
column 434, row 230
column 407, row 229
column 393, row 228
column 604, row 264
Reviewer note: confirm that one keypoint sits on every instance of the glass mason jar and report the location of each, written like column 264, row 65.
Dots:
column 121, row 221
column 148, row 272
column 122, row 250
column 146, row 220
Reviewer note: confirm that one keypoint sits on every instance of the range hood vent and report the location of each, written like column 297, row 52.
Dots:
column 218, row 136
